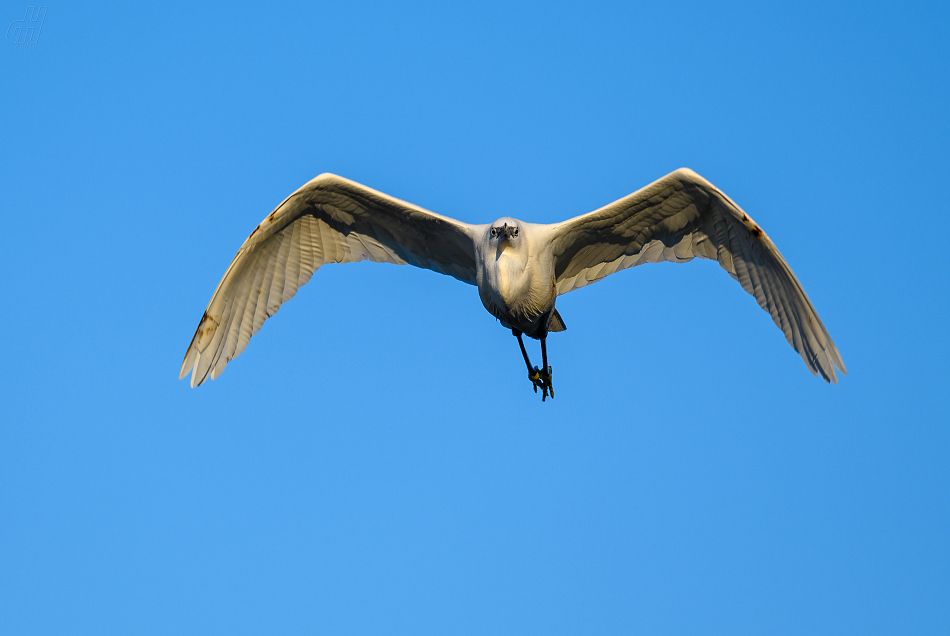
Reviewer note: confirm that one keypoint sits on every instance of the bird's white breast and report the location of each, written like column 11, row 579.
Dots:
column 514, row 287
column 510, row 280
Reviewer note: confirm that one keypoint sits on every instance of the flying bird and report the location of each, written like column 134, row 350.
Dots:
column 519, row 268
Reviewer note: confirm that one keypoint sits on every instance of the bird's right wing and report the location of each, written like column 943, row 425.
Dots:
column 328, row 220
column 678, row 218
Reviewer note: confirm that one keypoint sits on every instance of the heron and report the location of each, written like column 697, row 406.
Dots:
column 519, row 268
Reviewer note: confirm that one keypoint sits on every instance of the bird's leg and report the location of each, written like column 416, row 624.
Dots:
column 524, row 352
column 533, row 373
column 539, row 378
column 545, row 373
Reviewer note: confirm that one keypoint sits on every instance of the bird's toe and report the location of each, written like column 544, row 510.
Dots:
column 535, row 377
column 542, row 379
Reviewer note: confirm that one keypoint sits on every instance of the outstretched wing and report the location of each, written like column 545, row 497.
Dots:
column 328, row 220
column 677, row 218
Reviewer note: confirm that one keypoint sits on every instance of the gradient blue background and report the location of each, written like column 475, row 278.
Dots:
column 376, row 461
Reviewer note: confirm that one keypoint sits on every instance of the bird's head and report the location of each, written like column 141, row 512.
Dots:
column 504, row 230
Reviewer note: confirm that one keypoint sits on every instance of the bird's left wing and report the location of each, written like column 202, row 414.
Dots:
column 328, row 220
column 676, row 219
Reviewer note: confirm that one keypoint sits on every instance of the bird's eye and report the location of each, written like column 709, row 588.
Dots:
column 515, row 232
column 494, row 232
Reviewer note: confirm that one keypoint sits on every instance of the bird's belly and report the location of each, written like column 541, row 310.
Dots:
column 511, row 294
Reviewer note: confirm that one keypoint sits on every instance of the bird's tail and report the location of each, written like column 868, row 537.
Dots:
column 555, row 323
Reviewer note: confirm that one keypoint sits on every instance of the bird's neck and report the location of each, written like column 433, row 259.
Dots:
column 511, row 277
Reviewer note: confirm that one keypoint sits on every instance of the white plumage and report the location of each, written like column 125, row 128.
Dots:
column 519, row 268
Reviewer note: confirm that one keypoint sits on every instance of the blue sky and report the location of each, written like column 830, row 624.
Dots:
column 375, row 461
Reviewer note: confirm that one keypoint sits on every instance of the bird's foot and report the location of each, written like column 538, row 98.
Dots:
column 542, row 379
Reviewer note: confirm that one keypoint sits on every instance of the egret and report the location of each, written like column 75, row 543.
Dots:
column 519, row 268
